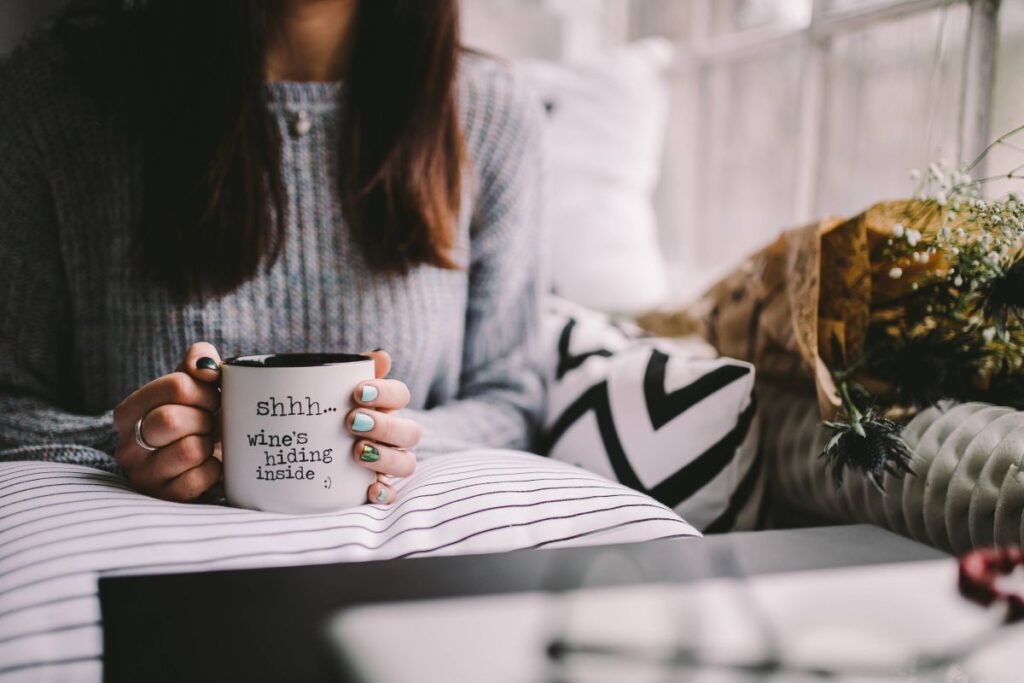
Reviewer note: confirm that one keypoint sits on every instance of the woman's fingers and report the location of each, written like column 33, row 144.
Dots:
column 383, row 428
column 379, row 492
column 167, row 423
column 193, row 483
column 177, row 387
column 382, row 394
column 201, row 362
column 385, row 437
column 384, row 459
column 381, row 362
column 172, row 461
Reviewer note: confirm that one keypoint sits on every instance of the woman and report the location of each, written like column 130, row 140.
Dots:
column 212, row 179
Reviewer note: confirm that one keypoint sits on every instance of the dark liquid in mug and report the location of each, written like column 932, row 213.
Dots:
column 295, row 360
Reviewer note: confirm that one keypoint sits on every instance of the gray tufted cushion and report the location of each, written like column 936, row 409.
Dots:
column 969, row 488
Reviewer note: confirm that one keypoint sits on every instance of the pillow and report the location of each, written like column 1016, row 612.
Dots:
column 61, row 526
column 968, row 487
column 661, row 417
column 604, row 135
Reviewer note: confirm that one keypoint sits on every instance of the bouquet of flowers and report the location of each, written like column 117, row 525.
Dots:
column 908, row 305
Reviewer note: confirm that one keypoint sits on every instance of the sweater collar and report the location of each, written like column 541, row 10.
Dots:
column 302, row 94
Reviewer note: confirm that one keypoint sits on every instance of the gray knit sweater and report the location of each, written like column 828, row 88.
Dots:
column 80, row 328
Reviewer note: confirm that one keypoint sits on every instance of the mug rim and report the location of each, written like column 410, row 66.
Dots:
column 285, row 361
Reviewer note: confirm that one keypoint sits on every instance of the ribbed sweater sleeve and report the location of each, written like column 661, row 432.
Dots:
column 37, row 421
column 501, row 392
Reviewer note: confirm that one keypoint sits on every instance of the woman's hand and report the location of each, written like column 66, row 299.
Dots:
column 178, row 419
column 382, row 440
column 178, row 414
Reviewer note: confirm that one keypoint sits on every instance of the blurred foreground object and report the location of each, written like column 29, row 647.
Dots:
column 980, row 573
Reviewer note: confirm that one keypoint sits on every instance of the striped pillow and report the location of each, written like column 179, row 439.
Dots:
column 661, row 416
column 62, row 526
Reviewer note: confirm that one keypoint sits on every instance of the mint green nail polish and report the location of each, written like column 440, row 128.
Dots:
column 367, row 393
column 362, row 422
column 382, row 495
column 369, row 454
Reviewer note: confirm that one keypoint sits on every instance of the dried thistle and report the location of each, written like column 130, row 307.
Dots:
column 867, row 443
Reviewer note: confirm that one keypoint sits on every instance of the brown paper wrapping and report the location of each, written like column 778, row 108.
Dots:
column 782, row 307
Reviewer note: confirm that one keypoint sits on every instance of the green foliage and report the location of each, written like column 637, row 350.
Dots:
column 957, row 331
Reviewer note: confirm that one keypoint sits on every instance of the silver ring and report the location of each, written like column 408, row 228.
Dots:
column 138, row 436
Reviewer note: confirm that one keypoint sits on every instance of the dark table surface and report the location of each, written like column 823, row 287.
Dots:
column 268, row 624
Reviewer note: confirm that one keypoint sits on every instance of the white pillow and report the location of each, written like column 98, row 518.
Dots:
column 667, row 419
column 62, row 526
column 605, row 133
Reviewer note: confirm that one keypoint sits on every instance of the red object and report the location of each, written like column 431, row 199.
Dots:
column 979, row 570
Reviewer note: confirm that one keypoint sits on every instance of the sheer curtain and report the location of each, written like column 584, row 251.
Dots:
column 790, row 109
column 1008, row 96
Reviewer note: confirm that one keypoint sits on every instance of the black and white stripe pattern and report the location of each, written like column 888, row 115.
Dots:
column 665, row 419
column 63, row 525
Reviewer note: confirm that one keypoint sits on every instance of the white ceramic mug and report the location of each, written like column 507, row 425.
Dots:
column 286, row 445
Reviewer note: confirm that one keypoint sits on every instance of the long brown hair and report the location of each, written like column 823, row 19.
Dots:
column 215, row 206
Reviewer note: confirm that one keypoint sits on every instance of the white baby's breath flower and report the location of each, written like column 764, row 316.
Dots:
column 898, row 230
column 913, row 237
column 989, row 333
column 958, row 281
column 941, row 198
column 896, row 273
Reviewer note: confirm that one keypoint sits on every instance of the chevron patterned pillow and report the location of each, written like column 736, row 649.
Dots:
column 661, row 416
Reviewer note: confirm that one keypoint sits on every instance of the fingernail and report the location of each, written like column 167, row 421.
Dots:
column 369, row 454
column 207, row 363
column 362, row 422
column 382, row 495
column 367, row 393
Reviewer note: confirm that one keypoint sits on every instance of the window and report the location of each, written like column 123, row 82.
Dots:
column 787, row 110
